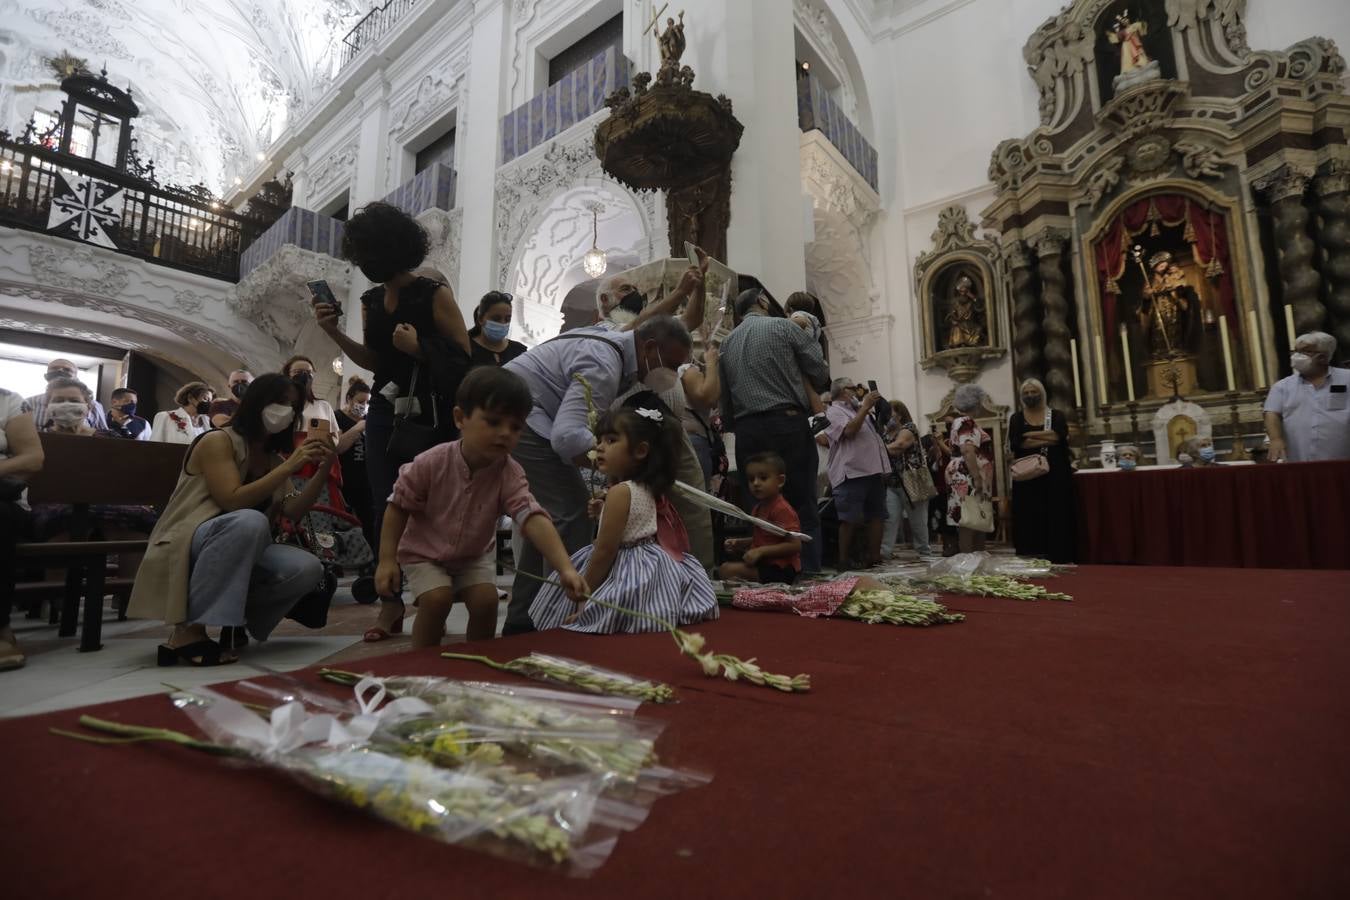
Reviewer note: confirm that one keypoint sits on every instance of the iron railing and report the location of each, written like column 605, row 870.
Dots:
column 374, row 25
column 816, row 110
column 186, row 229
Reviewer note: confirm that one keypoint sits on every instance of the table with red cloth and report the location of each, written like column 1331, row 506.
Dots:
column 1171, row 733
column 1275, row 516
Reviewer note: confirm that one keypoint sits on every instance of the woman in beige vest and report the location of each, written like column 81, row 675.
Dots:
column 211, row 559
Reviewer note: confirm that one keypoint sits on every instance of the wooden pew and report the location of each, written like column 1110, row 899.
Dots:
column 81, row 471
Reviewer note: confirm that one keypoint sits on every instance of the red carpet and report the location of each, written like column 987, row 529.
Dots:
column 1173, row 733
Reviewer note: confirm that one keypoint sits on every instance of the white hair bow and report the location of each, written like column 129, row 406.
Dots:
column 653, row 414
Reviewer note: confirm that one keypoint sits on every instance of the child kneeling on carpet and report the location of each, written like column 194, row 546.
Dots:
column 442, row 516
column 766, row 557
column 631, row 564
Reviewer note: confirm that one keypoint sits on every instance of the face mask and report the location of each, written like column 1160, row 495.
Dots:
column 302, row 379
column 127, row 409
column 1302, row 363
column 359, row 409
column 67, row 412
column 277, row 417
column 1207, row 454
column 1031, row 401
column 496, row 331
column 239, row 389
column 633, row 302
column 1126, row 464
column 203, row 408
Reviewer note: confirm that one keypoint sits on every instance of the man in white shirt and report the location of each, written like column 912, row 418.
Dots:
column 1308, row 413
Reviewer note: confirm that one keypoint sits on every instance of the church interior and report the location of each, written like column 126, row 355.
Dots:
column 1080, row 269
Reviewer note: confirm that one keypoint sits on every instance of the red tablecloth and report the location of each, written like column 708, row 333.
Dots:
column 1172, row 733
column 1286, row 516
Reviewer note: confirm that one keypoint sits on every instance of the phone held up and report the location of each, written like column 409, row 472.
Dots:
column 320, row 292
column 871, row 385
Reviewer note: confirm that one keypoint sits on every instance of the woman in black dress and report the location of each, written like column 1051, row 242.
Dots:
column 1043, row 508
column 408, row 322
column 492, row 344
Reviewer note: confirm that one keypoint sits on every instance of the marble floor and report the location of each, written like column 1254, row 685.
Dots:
column 58, row 676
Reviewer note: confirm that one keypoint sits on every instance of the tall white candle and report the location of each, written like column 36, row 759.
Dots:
column 1101, row 371
column 1129, row 371
column 1289, row 325
column 1227, row 352
column 1077, row 390
column 1258, row 358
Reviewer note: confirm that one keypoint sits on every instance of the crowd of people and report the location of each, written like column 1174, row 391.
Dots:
column 582, row 446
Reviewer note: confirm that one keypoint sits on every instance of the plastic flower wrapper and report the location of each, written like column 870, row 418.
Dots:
column 579, row 675
column 843, row 598
column 980, row 575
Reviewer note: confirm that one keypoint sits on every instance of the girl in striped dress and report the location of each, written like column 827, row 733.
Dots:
column 627, row 565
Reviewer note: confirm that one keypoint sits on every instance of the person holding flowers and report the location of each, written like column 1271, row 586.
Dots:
column 440, row 522
column 632, row 564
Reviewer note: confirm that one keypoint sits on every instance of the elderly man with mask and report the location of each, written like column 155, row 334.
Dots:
column 1308, row 413
column 236, row 384
column 557, row 436
column 765, row 367
column 64, row 368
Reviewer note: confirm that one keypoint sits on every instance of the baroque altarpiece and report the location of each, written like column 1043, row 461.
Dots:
column 1182, row 205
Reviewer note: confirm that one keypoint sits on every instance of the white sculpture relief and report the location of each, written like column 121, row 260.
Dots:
column 434, row 94
column 838, row 260
column 274, row 297
column 77, row 270
column 336, row 167
column 444, row 229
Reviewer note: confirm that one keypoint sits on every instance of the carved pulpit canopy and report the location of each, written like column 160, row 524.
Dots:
column 961, row 297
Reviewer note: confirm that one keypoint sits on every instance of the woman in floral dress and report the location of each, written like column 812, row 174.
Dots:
column 972, row 464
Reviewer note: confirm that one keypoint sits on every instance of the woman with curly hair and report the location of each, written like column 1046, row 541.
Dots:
column 409, row 324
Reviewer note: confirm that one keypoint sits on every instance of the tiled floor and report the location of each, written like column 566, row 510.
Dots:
column 58, row 676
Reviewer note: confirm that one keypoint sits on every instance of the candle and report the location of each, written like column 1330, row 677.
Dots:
column 1129, row 371
column 1101, row 371
column 1227, row 352
column 1289, row 324
column 1077, row 390
column 1258, row 362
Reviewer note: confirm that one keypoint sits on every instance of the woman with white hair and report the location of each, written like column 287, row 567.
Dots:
column 1042, row 505
column 972, row 467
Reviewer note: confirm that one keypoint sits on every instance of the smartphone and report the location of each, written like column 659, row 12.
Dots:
column 871, row 385
column 319, row 427
column 320, row 292
column 692, row 252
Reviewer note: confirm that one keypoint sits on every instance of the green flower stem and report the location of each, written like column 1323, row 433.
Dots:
column 133, row 734
column 576, row 676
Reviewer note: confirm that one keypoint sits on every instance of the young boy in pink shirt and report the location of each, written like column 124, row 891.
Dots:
column 441, row 518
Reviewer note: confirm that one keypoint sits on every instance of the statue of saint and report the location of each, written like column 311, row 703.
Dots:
column 1129, row 35
column 671, row 43
column 965, row 316
column 1164, row 308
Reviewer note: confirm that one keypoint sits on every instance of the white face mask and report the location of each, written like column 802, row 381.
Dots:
column 277, row 417
column 67, row 412
column 1302, row 363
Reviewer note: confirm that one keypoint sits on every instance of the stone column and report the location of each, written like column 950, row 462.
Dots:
column 476, row 136
column 1332, row 191
column 1055, row 328
column 1028, row 362
column 1300, row 283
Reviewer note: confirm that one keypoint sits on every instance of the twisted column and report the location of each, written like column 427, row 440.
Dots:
column 1332, row 190
column 1299, row 281
column 1028, row 361
column 1055, row 330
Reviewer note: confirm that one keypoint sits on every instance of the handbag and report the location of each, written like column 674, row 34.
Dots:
column 1033, row 466
column 977, row 513
column 918, row 484
column 409, row 438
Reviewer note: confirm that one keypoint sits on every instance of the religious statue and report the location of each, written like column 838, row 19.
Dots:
column 671, row 43
column 1129, row 35
column 965, row 316
column 1165, row 306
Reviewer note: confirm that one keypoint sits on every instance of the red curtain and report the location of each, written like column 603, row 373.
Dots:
column 1205, row 229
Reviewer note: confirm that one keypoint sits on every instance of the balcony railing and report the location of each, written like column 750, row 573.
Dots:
column 372, row 27
column 297, row 227
column 578, row 95
column 816, row 109
column 179, row 228
column 434, row 187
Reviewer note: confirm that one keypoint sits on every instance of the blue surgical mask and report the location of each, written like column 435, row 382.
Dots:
column 496, row 331
column 1126, row 464
column 1207, row 454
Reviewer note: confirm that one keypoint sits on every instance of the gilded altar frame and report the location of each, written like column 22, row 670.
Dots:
column 955, row 246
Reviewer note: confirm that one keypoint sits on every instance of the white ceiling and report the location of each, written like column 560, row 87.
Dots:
column 215, row 79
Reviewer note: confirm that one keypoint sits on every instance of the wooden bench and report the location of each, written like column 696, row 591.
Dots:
column 81, row 471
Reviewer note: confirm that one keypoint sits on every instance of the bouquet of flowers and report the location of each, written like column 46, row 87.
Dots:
column 579, row 675
column 849, row 598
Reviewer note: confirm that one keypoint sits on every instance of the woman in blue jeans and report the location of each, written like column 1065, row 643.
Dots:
column 905, row 446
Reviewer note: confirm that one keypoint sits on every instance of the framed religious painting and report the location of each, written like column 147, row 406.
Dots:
column 961, row 298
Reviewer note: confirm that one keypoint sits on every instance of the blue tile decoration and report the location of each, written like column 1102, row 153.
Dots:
column 816, row 110
column 298, row 227
column 576, row 96
column 433, row 187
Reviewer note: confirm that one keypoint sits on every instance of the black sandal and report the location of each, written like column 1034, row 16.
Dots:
column 198, row 653
column 232, row 637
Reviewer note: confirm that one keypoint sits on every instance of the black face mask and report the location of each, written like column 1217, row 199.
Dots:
column 239, row 389
column 302, row 379
column 1031, row 402
column 127, row 409
column 203, row 407
column 633, row 302
column 374, row 272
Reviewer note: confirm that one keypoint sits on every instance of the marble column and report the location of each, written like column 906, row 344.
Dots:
column 1300, row 283
column 1331, row 189
column 1050, row 247
column 476, row 136
column 1028, row 361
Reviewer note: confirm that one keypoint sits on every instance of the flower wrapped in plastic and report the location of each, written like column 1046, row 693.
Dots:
column 861, row 598
column 576, row 674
